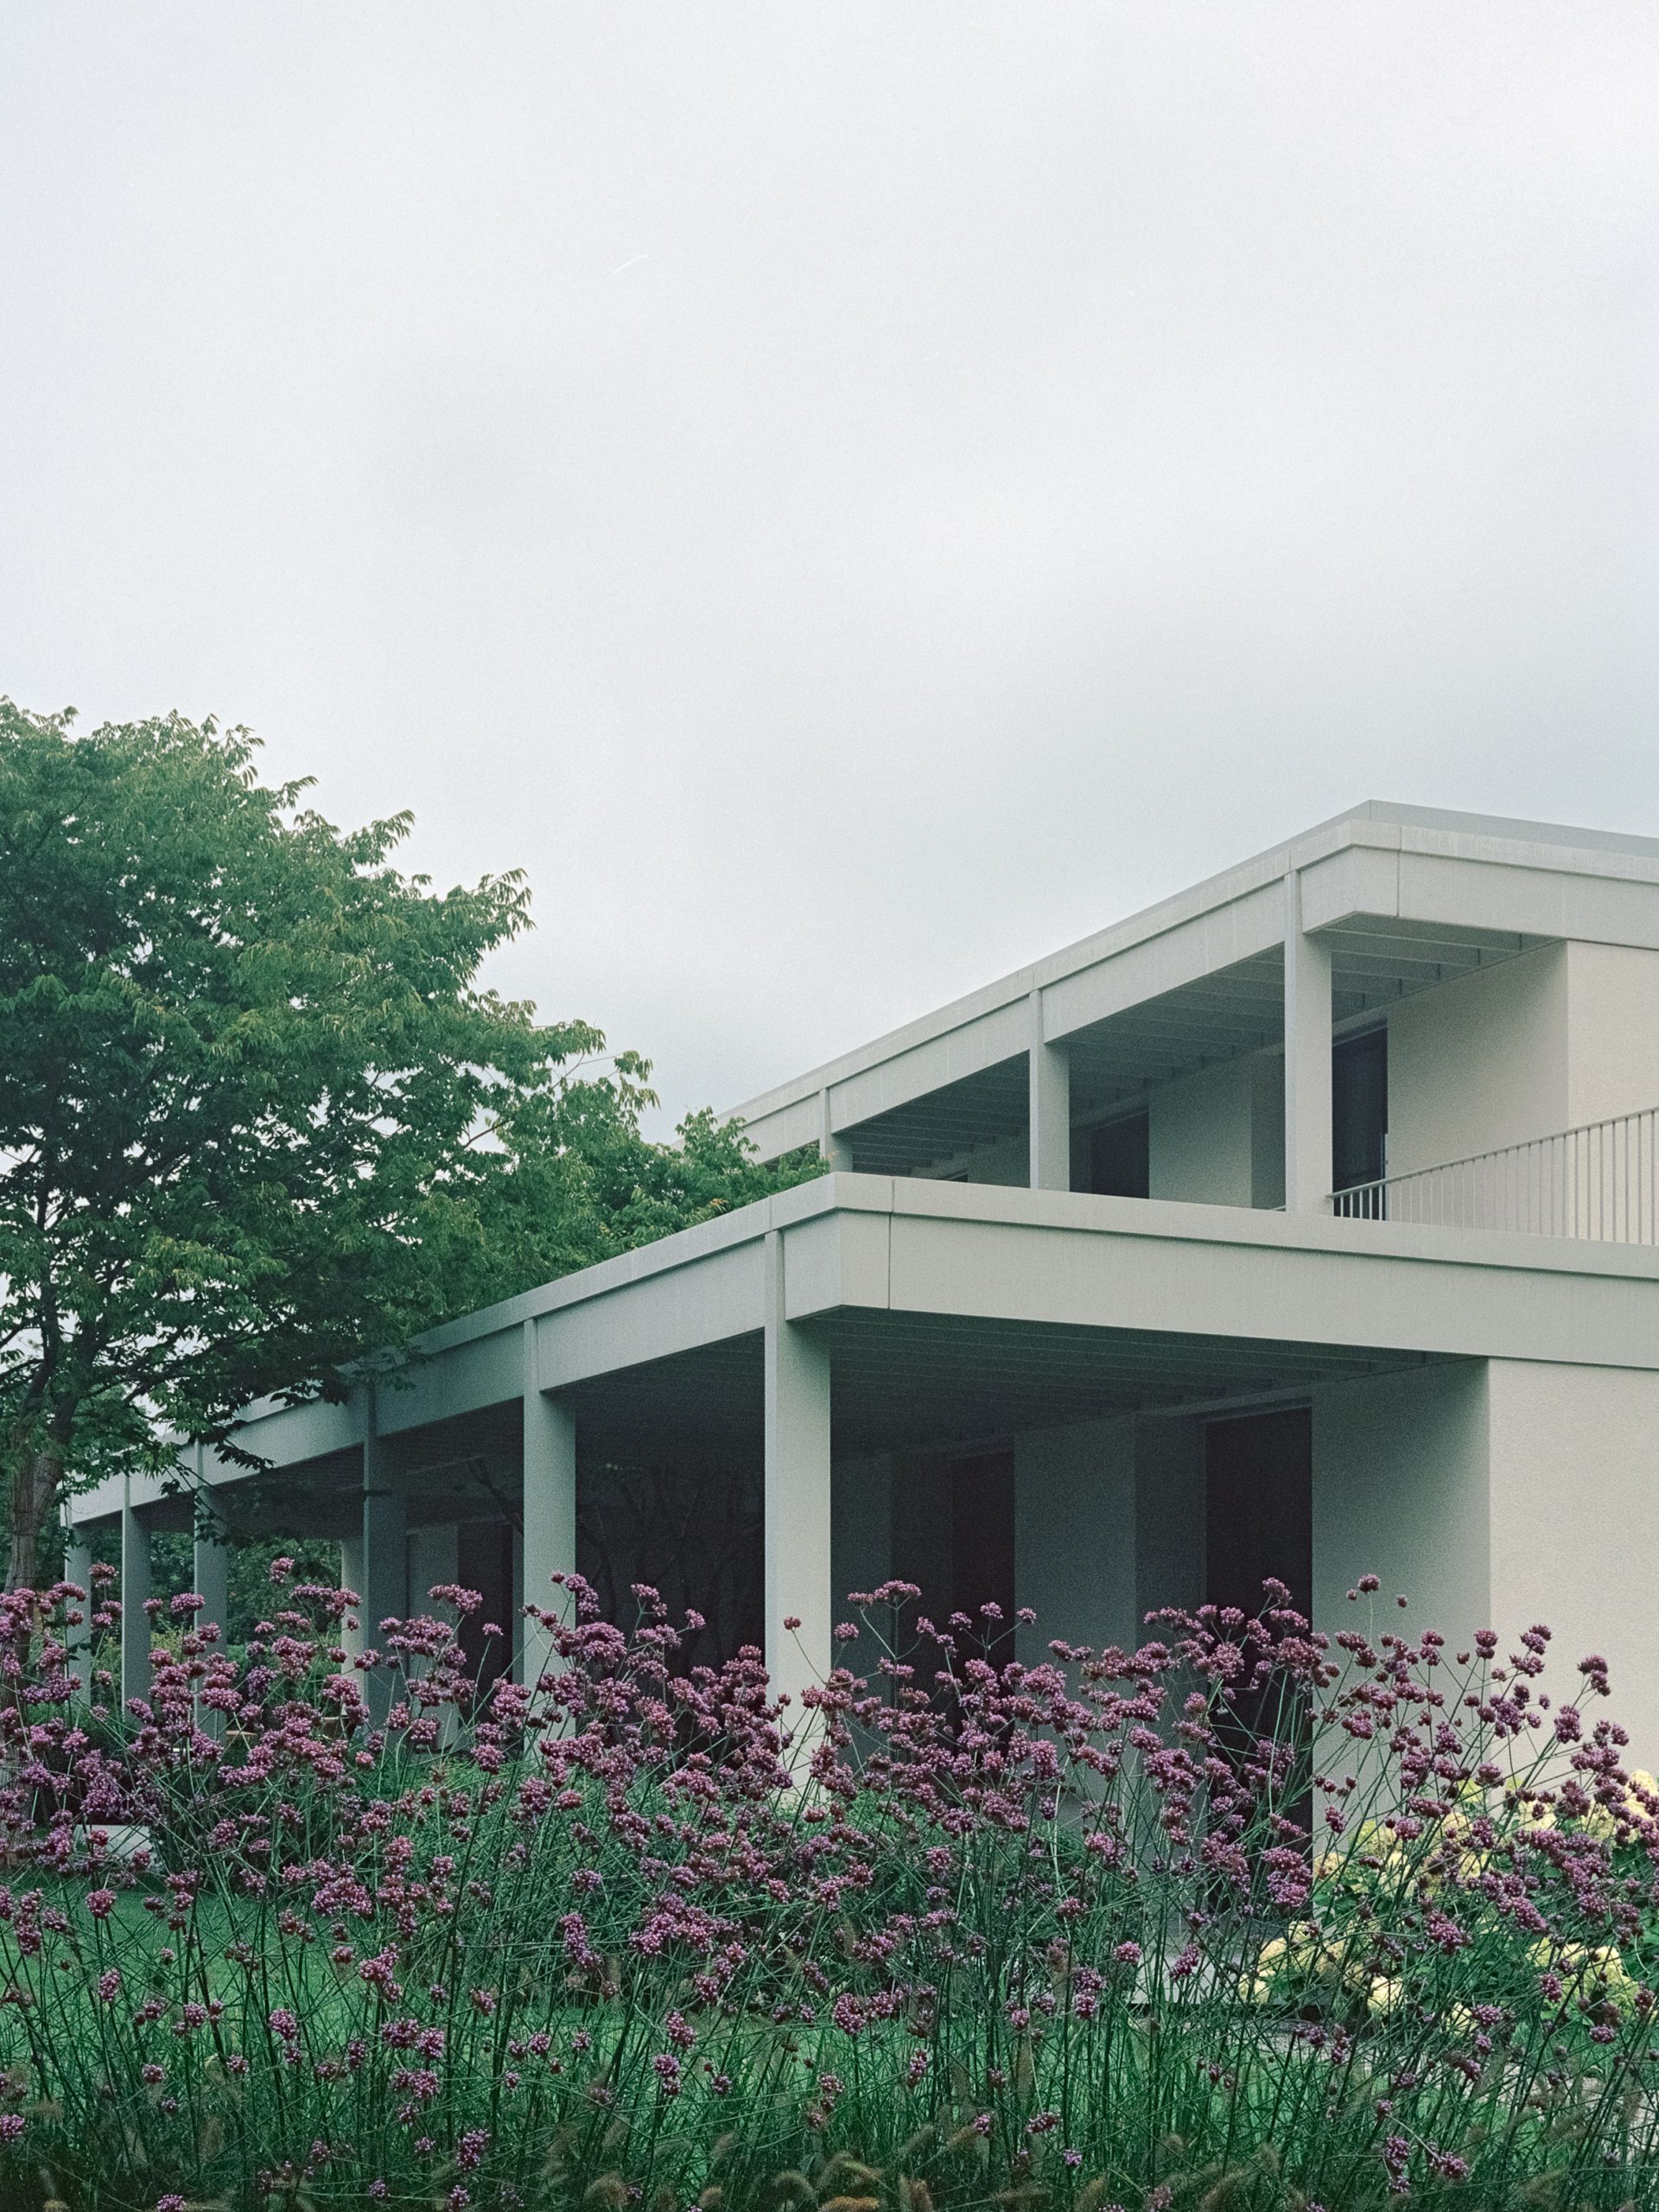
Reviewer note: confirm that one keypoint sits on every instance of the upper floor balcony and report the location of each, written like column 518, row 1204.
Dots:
column 1402, row 1014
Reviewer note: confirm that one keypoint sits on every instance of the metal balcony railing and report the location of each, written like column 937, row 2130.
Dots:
column 1600, row 1182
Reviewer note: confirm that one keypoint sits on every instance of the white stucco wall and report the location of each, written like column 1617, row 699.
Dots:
column 1612, row 1031
column 1400, row 1490
column 1479, row 1063
column 1498, row 1494
column 1557, row 1038
column 1218, row 1136
column 1575, row 1524
column 1074, row 1535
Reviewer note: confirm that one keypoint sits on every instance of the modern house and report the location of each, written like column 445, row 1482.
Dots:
column 1307, row 1223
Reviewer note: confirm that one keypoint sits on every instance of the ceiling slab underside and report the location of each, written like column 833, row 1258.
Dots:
column 912, row 1382
column 900, row 1382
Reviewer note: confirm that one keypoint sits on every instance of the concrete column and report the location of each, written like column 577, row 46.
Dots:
column 1308, row 1061
column 1051, row 1109
column 135, row 1592
column 78, row 1569
column 210, row 1574
column 385, row 1551
column 837, row 1151
column 1402, row 1490
column 797, row 1491
column 351, row 1578
column 549, row 1544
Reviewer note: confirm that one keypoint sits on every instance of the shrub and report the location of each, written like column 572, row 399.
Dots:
column 1247, row 1917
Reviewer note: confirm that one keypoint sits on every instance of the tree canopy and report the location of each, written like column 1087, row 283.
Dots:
column 258, row 1117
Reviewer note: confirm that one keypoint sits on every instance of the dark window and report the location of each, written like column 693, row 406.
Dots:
column 1360, row 1109
column 1119, row 1164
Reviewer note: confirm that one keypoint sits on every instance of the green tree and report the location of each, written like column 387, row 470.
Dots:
column 258, row 1118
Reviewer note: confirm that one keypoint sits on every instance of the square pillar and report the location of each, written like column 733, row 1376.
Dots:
column 797, row 1491
column 384, row 1583
column 1308, row 1167
column 78, row 1640
column 351, row 1578
column 1051, row 1109
column 210, row 1575
column 837, row 1153
column 134, row 1594
column 548, row 1546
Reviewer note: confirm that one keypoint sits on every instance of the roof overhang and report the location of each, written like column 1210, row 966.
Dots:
column 1409, row 896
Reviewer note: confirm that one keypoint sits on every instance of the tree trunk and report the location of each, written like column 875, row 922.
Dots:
column 37, row 1484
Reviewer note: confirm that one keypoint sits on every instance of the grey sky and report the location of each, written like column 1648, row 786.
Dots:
column 849, row 497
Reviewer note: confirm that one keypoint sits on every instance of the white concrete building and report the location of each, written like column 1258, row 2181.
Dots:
column 1304, row 1223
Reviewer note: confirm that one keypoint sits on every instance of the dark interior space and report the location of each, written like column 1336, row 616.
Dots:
column 1259, row 1522
column 1114, row 1159
column 694, row 1533
column 953, row 1534
column 981, row 1534
column 1259, row 1508
column 484, row 1563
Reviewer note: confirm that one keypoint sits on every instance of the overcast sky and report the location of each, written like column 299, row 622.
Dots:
column 850, row 498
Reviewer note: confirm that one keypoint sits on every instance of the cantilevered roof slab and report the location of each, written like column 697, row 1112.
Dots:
column 1409, row 896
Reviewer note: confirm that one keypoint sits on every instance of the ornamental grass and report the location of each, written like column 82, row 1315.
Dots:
column 1248, row 1917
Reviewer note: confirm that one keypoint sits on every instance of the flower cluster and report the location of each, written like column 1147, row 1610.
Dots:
column 1250, row 1915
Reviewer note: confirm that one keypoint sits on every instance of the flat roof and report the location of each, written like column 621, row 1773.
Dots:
column 1546, row 851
